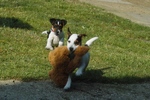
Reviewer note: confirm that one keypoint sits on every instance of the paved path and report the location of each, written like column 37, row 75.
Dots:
column 136, row 10
column 45, row 90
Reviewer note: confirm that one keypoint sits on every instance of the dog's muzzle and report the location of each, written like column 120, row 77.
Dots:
column 71, row 49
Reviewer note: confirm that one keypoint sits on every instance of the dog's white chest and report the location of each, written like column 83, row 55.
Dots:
column 55, row 40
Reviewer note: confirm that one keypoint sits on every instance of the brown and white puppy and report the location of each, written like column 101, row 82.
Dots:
column 55, row 37
column 73, row 42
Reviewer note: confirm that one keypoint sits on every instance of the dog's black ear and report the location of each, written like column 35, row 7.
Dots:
column 52, row 21
column 82, row 35
column 69, row 33
column 64, row 22
column 80, row 38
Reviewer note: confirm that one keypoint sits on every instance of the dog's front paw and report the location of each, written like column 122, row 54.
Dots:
column 44, row 32
column 79, row 73
column 68, row 84
column 67, row 87
column 49, row 48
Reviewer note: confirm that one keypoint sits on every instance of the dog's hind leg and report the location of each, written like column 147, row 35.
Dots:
column 61, row 43
column 49, row 44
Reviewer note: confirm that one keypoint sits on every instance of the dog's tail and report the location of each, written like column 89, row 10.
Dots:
column 89, row 42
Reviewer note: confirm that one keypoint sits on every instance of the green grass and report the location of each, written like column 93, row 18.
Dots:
column 122, row 53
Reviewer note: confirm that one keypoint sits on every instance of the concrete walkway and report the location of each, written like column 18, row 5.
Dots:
column 45, row 90
column 135, row 10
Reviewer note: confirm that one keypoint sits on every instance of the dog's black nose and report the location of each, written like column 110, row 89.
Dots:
column 71, row 49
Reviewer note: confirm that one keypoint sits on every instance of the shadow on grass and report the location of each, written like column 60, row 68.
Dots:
column 93, row 76
column 96, row 76
column 14, row 23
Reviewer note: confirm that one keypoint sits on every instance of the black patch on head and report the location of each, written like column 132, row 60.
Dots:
column 58, row 23
column 78, row 41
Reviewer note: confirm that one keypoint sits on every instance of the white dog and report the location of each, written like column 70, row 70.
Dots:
column 74, row 41
column 55, row 35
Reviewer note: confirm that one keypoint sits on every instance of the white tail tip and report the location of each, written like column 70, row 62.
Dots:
column 89, row 42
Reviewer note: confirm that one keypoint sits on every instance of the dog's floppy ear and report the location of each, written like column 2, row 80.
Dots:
column 79, row 39
column 52, row 21
column 64, row 22
column 82, row 35
column 69, row 33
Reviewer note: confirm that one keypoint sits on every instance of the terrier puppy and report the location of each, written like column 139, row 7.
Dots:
column 74, row 41
column 55, row 37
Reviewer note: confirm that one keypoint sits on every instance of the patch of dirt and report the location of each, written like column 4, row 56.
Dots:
column 45, row 90
column 135, row 10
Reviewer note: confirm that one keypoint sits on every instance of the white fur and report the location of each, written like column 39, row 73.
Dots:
column 44, row 32
column 89, row 42
column 70, row 42
column 54, row 40
column 68, row 84
column 85, row 59
column 84, row 63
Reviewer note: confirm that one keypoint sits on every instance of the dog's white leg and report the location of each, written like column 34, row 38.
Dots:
column 84, row 64
column 68, row 84
column 49, row 44
column 80, row 70
column 60, row 43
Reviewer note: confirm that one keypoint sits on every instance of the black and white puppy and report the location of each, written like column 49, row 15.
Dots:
column 74, row 41
column 55, row 36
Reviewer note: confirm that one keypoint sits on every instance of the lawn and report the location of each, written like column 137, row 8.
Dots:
column 121, row 54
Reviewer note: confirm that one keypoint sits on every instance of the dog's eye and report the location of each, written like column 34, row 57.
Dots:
column 68, row 41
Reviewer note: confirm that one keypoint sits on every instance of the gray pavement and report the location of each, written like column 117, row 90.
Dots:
column 137, row 11
column 46, row 90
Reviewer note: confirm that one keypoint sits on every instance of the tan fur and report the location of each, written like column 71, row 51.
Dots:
column 63, row 65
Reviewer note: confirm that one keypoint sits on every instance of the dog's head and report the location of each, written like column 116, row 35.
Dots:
column 57, row 24
column 74, row 40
